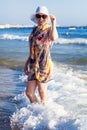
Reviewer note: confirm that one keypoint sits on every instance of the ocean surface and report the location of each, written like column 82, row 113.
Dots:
column 66, row 108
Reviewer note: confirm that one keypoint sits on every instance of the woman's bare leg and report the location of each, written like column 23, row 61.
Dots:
column 42, row 88
column 30, row 91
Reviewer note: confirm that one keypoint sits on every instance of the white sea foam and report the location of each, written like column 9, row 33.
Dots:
column 37, row 116
column 72, row 28
column 23, row 77
column 60, row 40
column 65, row 109
column 14, row 37
column 72, row 41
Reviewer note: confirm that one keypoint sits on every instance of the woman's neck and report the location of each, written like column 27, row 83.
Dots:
column 42, row 26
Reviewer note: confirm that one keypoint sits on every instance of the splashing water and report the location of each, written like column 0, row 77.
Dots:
column 65, row 109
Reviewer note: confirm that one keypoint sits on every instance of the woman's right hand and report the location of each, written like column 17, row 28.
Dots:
column 26, row 71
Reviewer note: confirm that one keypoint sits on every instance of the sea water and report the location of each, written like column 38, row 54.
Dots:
column 66, row 108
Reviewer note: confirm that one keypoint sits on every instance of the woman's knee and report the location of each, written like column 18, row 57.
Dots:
column 29, row 94
column 42, row 87
column 40, row 90
column 30, row 90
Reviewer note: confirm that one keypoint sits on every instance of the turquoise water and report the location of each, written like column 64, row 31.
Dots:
column 67, row 92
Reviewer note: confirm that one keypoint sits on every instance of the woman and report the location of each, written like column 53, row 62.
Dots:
column 38, row 66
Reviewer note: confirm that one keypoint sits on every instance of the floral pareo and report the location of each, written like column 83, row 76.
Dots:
column 40, row 61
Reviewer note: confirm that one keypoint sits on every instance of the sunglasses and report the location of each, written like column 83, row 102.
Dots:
column 41, row 16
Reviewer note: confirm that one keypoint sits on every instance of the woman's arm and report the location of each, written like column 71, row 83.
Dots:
column 26, row 70
column 26, row 66
column 53, row 32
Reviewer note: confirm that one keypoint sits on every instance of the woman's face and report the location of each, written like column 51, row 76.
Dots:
column 41, row 18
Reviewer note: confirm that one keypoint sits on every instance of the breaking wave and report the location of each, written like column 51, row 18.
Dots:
column 64, row 109
column 60, row 40
column 14, row 37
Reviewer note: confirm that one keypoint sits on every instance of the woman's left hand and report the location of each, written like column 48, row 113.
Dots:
column 52, row 18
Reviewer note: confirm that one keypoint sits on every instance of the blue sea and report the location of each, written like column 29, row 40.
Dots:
column 66, row 108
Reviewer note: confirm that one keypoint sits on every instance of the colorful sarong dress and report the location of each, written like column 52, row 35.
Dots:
column 40, row 64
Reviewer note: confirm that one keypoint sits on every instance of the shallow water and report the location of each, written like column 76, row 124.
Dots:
column 10, row 86
column 66, row 108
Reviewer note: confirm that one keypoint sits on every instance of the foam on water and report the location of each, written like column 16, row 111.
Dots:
column 66, row 108
column 37, row 116
column 14, row 37
column 60, row 40
column 72, row 40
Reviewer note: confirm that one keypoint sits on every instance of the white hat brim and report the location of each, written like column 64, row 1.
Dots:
column 33, row 18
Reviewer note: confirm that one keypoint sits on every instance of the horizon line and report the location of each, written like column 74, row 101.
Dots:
column 31, row 25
